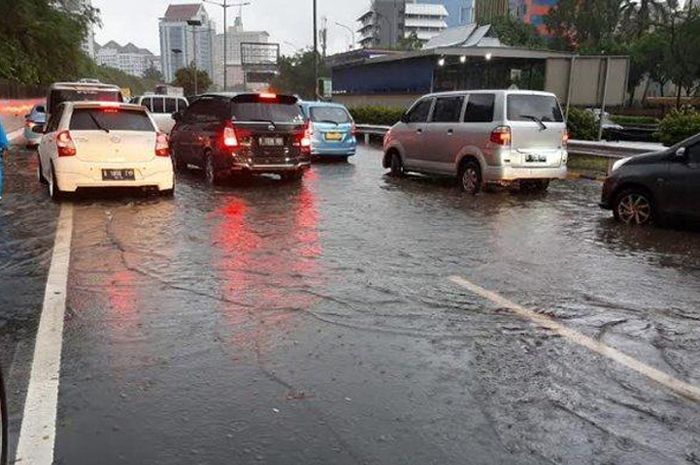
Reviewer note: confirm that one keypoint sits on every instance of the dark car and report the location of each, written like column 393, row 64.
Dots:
column 228, row 134
column 656, row 187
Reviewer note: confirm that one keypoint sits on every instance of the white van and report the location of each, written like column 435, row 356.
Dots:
column 162, row 108
column 82, row 91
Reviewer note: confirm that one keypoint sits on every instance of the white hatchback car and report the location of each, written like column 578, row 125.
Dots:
column 101, row 144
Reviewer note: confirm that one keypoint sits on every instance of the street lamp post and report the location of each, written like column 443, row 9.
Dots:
column 351, row 32
column 315, row 48
column 194, row 23
column 226, row 5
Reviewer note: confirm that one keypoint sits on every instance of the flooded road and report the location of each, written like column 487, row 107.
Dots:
column 316, row 323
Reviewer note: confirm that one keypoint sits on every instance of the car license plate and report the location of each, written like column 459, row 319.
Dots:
column 118, row 175
column 271, row 141
column 530, row 158
column 333, row 136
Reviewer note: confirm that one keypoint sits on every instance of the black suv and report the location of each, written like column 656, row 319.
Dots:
column 226, row 134
column 657, row 186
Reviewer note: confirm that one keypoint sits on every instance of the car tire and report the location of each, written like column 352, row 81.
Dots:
column 396, row 165
column 634, row 207
column 40, row 172
column 211, row 174
column 470, row 180
column 178, row 164
column 54, row 191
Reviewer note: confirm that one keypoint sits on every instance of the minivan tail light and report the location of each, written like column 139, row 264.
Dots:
column 162, row 146
column 565, row 139
column 65, row 145
column 501, row 136
column 230, row 139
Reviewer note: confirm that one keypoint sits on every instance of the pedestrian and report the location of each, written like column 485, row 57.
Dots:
column 4, row 145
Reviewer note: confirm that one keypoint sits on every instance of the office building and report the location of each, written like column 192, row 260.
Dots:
column 387, row 22
column 532, row 12
column 182, row 45
column 486, row 11
column 129, row 58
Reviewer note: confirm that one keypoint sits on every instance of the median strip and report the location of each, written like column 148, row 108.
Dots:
column 679, row 387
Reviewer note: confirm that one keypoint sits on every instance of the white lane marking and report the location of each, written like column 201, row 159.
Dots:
column 676, row 385
column 15, row 135
column 38, row 433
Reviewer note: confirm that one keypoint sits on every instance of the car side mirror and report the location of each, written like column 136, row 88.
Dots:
column 680, row 153
column 38, row 129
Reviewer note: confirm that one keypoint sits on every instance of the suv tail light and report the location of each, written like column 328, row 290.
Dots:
column 501, row 136
column 65, row 145
column 308, row 133
column 162, row 146
column 230, row 140
column 565, row 139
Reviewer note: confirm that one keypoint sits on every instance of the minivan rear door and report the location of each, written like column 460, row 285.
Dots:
column 538, row 130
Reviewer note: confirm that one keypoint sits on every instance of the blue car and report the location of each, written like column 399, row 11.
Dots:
column 36, row 117
column 332, row 130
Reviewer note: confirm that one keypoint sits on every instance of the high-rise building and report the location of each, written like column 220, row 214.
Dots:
column 460, row 12
column 387, row 22
column 234, row 65
column 129, row 58
column 485, row 11
column 532, row 11
column 182, row 45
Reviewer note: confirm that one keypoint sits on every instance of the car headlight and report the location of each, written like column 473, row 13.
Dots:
column 618, row 164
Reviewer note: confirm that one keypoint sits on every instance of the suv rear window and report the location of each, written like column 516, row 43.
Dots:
column 329, row 115
column 253, row 107
column 528, row 107
column 59, row 96
column 112, row 119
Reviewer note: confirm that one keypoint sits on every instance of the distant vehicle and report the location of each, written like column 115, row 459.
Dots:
column 332, row 129
column 162, row 108
column 100, row 144
column 35, row 117
column 608, row 123
column 228, row 134
column 81, row 92
column 496, row 136
column 656, row 187
column 172, row 91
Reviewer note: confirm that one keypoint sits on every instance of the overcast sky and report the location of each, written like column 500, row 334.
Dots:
column 286, row 20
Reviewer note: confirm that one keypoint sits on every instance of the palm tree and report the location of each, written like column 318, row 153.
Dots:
column 642, row 15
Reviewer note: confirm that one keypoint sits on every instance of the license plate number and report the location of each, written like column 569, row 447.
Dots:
column 118, row 175
column 271, row 141
column 536, row 158
column 333, row 136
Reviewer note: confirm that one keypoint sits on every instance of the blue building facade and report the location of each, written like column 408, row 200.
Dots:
column 461, row 11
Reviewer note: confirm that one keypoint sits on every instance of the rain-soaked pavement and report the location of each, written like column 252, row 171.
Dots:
column 316, row 324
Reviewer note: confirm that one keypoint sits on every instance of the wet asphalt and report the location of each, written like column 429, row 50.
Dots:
column 314, row 323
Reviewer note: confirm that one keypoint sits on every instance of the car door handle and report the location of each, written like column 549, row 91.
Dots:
column 450, row 132
column 419, row 131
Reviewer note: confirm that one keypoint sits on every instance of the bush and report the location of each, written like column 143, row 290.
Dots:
column 582, row 125
column 379, row 116
column 678, row 125
column 624, row 120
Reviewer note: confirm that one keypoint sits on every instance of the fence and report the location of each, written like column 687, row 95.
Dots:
column 14, row 90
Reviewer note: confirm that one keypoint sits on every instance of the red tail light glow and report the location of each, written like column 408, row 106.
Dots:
column 501, row 136
column 110, row 110
column 162, row 146
column 65, row 145
column 268, row 96
column 308, row 133
column 565, row 139
column 229, row 137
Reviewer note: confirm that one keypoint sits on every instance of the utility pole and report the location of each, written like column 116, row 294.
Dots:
column 226, row 5
column 324, row 37
column 194, row 23
column 315, row 48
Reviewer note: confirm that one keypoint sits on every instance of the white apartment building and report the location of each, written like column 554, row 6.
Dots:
column 425, row 20
column 386, row 22
column 182, row 45
column 129, row 58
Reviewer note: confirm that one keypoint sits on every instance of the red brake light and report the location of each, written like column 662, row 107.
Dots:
column 162, row 146
column 110, row 110
column 501, row 136
column 65, row 145
column 229, row 137
column 268, row 96
column 308, row 132
column 565, row 139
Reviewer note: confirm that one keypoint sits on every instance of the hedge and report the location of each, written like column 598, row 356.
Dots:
column 678, row 125
column 582, row 124
column 376, row 115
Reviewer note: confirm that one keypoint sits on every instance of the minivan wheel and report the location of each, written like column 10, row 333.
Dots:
column 179, row 165
column 634, row 207
column 396, row 165
column 470, row 177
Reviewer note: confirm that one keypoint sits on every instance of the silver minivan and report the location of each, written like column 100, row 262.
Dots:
column 482, row 137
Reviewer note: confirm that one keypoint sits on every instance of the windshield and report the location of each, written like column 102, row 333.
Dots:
column 83, row 95
column 111, row 119
column 330, row 115
column 544, row 108
column 275, row 112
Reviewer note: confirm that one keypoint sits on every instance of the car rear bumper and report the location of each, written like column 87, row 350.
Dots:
column 73, row 174
column 510, row 173
column 269, row 168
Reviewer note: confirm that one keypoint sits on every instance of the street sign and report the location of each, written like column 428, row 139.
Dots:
column 325, row 88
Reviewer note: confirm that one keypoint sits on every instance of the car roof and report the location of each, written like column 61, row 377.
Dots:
column 120, row 105
column 232, row 95
column 492, row 91
column 82, row 85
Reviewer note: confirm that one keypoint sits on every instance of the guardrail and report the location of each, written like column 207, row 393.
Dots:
column 610, row 150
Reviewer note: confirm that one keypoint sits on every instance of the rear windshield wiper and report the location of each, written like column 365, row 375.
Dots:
column 536, row 120
column 97, row 123
column 268, row 121
column 327, row 121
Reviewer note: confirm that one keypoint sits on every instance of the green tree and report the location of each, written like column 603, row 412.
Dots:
column 296, row 75
column 638, row 16
column 153, row 74
column 585, row 25
column 511, row 31
column 184, row 77
column 410, row 43
column 682, row 58
column 647, row 55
